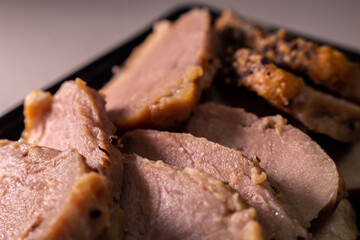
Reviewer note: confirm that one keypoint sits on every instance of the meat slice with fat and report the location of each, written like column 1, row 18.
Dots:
column 75, row 117
column 163, row 78
column 48, row 194
column 243, row 174
column 305, row 174
column 164, row 203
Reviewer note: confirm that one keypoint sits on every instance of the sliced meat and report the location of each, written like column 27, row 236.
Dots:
column 48, row 194
column 243, row 174
column 277, row 86
column 318, row 111
column 164, row 203
column 340, row 225
column 75, row 117
column 305, row 174
column 323, row 64
column 164, row 77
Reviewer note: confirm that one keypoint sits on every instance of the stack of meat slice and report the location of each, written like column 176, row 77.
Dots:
column 316, row 84
column 299, row 188
column 320, row 112
column 48, row 194
column 75, row 117
column 278, row 218
column 163, row 78
column 322, row 64
column 305, row 174
column 164, row 203
column 236, row 177
column 300, row 184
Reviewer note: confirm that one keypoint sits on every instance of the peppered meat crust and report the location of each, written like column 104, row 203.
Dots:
column 322, row 64
column 318, row 111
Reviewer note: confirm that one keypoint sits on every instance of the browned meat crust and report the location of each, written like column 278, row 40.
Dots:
column 163, row 78
column 235, row 31
column 318, row 111
column 323, row 64
column 267, row 80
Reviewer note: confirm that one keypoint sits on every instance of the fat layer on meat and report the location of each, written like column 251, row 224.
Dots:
column 305, row 174
column 75, row 117
column 243, row 174
column 318, row 111
column 163, row 78
column 323, row 64
column 164, row 203
column 48, row 194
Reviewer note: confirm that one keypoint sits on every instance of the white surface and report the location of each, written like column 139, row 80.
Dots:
column 42, row 41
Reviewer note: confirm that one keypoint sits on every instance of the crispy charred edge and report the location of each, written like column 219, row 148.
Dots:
column 323, row 64
column 268, row 81
column 229, row 31
column 235, row 31
column 284, row 50
column 288, row 92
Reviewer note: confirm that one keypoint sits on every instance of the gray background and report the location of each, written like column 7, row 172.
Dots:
column 43, row 41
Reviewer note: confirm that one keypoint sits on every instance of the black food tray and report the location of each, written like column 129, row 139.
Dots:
column 98, row 72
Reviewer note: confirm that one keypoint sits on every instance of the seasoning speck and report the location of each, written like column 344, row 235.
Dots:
column 95, row 214
column 103, row 150
column 264, row 61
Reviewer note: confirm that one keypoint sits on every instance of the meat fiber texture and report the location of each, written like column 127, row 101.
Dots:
column 243, row 174
column 48, row 194
column 75, row 117
column 305, row 174
column 163, row 78
column 164, row 203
